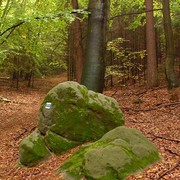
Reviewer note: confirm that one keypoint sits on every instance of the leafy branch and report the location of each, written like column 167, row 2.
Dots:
column 14, row 26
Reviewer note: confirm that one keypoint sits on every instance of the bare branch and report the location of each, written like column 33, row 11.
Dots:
column 153, row 108
column 168, row 171
column 129, row 14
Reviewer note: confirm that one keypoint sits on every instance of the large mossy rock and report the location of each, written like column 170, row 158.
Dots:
column 70, row 115
column 117, row 154
column 73, row 112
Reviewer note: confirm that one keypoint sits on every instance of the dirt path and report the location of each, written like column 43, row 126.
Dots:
column 154, row 112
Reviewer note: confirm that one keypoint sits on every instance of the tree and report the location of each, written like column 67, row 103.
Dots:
column 170, row 51
column 150, row 45
column 32, row 35
column 94, row 65
column 77, row 43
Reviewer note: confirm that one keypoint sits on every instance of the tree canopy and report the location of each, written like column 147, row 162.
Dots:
column 34, row 34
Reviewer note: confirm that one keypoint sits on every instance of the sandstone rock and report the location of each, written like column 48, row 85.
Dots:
column 117, row 154
column 57, row 143
column 78, row 114
column 70, row 115
column 33, row 149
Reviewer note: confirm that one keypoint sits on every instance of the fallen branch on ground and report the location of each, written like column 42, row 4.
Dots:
column 168, row 171
column 153, row 108
column 4, row 99
column 20, row 135
column 172, row 152
column 25, row 130
column 141, row 92
column 161, row 137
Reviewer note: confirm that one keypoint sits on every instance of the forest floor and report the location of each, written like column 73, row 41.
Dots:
column 155, row 112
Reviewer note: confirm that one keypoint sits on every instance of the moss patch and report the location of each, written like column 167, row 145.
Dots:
column 70, row 115
column 117, row 154
column 58, row 144
column 78, row 114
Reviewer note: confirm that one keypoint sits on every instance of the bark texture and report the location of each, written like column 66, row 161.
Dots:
column 170, row 50
column 77, row 44
column 94, row 65
column 150, row 46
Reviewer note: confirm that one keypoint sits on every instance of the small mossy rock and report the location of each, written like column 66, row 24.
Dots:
column 33, row 149
column 120, row 152
column 58, row 144
column 77, row 114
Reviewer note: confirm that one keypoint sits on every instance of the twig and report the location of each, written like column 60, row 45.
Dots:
column 153, row 108
column 114, row 93
column 4, row 99
column 168, row 171
column 172, row 152
column 25, row 130
column 161, row 137
column 149, row 90
column 133, row 13
column 20, row 135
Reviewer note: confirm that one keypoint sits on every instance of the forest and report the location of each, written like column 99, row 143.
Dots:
column 127, row 50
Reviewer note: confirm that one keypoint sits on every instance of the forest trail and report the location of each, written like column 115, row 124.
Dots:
column 156, row 113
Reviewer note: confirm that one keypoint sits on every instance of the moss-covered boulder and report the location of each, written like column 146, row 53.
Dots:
column 69, row 115
column 77, row 114
column 33, row 149
column 117, row 154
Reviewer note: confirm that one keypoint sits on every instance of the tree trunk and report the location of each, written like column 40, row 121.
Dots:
column 170, row 50
column 77, row 44
column 70, row 64
column 94, row 67
column 151, row 46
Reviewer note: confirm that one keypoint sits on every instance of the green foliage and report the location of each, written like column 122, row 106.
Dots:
column 128, row 10
column 35, row 34
column 125, row 60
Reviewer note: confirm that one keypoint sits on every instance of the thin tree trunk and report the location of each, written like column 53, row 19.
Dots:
column 170, row 50
column 94, row 67
column 70, row 63
column 78, row 46
column 151, row 46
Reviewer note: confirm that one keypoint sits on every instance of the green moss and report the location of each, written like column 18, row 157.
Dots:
column 33, row 149
column 112, row 157
column 58, row 144
column 79, row 114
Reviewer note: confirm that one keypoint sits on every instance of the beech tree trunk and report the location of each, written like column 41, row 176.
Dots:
column 77, row 44
column 151, row 46
column 94, row 65
column 170, row 50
